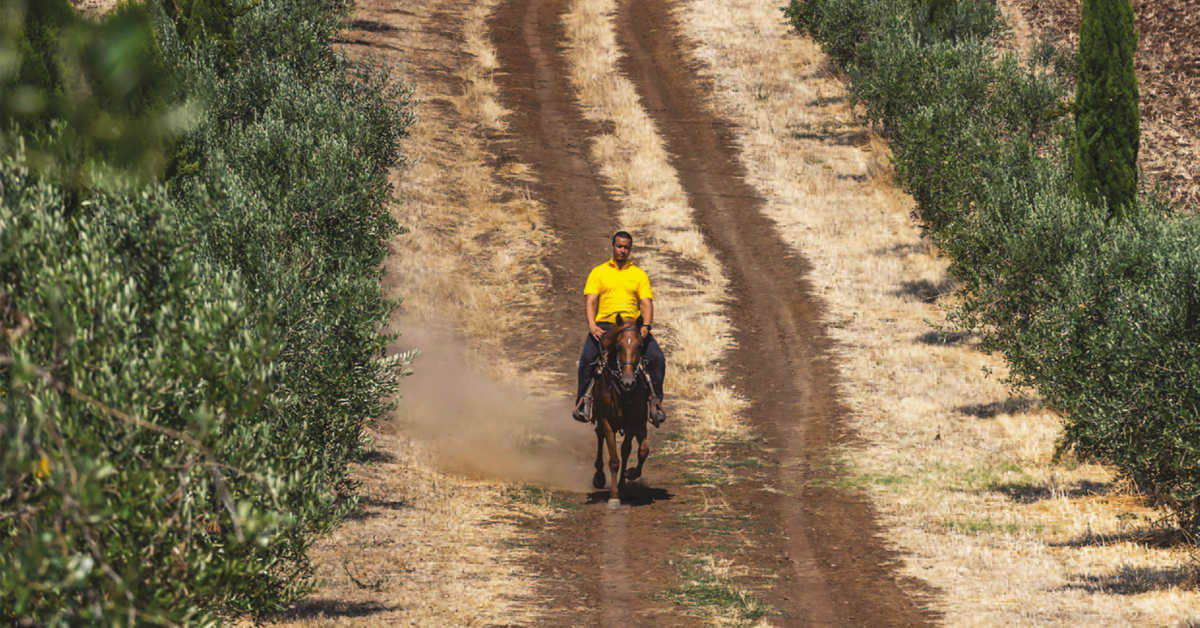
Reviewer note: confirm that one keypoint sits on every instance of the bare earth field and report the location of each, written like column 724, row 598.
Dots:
column 830, row 459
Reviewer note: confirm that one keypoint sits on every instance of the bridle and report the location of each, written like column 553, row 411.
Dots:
column 615, row 371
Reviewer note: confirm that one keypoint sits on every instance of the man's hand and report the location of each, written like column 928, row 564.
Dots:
column 597, row 333
column 645, row 331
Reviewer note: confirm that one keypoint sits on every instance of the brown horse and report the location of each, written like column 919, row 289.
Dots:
column 621, row 396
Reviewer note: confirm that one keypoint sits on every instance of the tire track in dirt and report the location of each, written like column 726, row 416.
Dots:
column 839, row 570
column 579, row 207
column 600, row 567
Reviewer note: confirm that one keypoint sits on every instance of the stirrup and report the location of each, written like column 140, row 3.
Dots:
column 583, row 410
column 655, row 412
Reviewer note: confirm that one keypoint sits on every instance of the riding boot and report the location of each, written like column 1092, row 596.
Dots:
column 583, row 409
column 658, row 416
column 655, row 411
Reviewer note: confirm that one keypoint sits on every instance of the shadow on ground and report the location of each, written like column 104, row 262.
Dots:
column 332, row 609
column 372, row 26
column 1157, row 536
column 1012, row 405
column 368, row 508
column 835, row 138
column 926, row 291
column 1135, row 580
column 378, row 456
column 634, row 495
column 944, row 338
column 1028, row 493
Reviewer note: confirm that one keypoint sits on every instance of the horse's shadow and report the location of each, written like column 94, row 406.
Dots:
column 634, row 494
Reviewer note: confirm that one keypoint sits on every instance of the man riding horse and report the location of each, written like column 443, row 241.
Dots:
column 617, row 287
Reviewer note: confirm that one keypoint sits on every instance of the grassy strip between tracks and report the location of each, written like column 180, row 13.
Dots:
column 713, row 579
column 655, row 209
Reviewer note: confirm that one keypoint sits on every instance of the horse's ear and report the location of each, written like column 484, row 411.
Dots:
column 639, row 321
column 619, row 321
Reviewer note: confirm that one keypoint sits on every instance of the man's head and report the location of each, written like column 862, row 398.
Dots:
column 622, row 244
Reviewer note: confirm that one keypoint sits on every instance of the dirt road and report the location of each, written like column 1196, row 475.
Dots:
column 750, row 528
column 814, row 547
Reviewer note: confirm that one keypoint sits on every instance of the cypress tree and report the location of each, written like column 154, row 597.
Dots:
column 1106, row 101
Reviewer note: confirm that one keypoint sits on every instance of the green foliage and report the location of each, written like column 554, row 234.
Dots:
column 89, row 99
column 135, row 489
column 292, row 194
column 935, row 10
column 1106, row 98
column 1100, row 317
column 958, row 112
column 846, row 30
column 956, row 20
column 131, row 80
column 208, row 23
column 179, row 420
column 851, row 32
column 1103, row 319
column 306, row 50
column 36, row 30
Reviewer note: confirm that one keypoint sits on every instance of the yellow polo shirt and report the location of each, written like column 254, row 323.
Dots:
column 620, row 289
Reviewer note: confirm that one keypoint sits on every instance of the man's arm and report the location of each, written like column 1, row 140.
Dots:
column 591, row 305
column 647, row 307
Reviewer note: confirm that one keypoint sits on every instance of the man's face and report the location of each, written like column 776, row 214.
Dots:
column 621, row 249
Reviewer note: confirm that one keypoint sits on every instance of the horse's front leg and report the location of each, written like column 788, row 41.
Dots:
column 599, row 479
column 643, row 453
column 614, row 465
column 626, row 447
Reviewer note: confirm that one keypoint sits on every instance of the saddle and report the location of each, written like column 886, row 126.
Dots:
column 653, row 412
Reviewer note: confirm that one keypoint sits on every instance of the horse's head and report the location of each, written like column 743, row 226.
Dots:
column 623, row 342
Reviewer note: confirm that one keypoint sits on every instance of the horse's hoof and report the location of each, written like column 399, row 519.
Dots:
column 614, row 504
column 632, row 474
column 598, row 480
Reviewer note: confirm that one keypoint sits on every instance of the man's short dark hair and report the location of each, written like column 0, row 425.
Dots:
column 622, row 234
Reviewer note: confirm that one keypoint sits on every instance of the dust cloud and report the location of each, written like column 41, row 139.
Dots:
column 481, row 427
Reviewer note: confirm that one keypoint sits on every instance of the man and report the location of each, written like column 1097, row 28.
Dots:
column 618, row 287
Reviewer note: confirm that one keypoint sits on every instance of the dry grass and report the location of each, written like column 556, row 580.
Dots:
column 655, row 209
column 959, row 469
column 432, row 547
column 93, row 7
column 428, row 549
column 477, row 242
